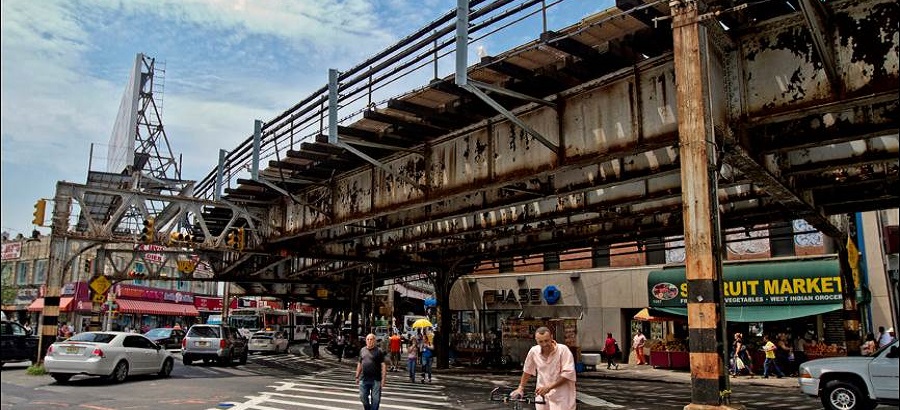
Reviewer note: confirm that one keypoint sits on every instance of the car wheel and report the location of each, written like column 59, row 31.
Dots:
column 166, row 369
column 840, row 395
column 120, row 373
column 61, row 378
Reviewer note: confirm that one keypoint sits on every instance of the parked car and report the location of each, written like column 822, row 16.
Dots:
column 114, row 355
column 167, row 337
column 18, row 344
column 268, row 342
column 854, row 382
column 221, row 343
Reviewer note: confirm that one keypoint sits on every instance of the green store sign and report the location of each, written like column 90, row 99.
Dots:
column 757, row 284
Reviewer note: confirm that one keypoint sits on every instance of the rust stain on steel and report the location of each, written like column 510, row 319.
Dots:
column 480, row 154
column 872, row 38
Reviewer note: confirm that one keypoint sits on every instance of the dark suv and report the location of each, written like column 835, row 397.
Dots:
column 221, row 343
column 18, row 344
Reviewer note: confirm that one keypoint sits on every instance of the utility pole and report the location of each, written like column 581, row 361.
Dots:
column 703, row 266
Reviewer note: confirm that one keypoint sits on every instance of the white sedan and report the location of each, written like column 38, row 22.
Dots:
column 267, row 341
column 114, row 355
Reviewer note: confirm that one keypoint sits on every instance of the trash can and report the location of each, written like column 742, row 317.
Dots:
column 590, row 360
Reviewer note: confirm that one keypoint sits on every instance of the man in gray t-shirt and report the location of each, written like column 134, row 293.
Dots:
column 371, row 374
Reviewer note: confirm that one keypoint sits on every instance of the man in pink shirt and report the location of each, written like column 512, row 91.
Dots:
column 554, row 367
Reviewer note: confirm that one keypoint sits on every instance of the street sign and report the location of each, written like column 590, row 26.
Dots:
column 100, row 285
column 99, row 298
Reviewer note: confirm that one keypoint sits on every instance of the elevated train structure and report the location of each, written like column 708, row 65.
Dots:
column 580, row 144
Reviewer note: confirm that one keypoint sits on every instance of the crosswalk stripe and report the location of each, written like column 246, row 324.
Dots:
column 326, row 391
column 387, row 394
column 594, row 401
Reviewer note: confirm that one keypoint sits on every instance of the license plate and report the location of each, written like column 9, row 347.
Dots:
column 71, row 350
column 202, row 343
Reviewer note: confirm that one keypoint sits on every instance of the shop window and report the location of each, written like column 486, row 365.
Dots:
column 600, row 256
column 656, row 252
column 40, row 271
column 22, row 274
column 551, row 260
column 506, row 265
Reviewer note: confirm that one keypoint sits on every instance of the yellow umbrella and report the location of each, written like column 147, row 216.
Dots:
column 422, row 323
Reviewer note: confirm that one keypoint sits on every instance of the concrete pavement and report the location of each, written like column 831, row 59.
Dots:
column 643, row 373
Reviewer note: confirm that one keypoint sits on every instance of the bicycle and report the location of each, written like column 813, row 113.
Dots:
column 503, row 394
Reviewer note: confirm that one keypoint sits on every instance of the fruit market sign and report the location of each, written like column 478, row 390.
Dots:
column 761, row 284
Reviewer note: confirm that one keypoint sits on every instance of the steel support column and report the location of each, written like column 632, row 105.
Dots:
column 62, row 204
column 703, row 266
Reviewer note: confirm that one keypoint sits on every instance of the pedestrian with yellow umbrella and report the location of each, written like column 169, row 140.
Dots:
column 424, row 325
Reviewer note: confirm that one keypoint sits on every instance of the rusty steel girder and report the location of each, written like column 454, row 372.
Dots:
column 790, row 122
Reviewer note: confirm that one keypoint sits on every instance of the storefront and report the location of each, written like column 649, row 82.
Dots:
column 74, row 305
column 140, row 308
column 492, row 313
column 799, row 301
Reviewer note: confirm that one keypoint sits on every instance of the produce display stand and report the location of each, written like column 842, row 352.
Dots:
column 670, row 360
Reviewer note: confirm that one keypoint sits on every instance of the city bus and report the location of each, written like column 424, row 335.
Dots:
column 261, row 318
column 297, row 326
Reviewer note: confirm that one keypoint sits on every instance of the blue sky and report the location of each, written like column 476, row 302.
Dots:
column 65, row 65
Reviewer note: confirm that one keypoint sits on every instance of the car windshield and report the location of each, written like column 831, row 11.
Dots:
column 263, row 335
column 158, row 333
column 93, row 337
column 885, row 347
column 204, row 331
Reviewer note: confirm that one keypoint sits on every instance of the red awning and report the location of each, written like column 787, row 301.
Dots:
column 38, row 304
column 156, row 308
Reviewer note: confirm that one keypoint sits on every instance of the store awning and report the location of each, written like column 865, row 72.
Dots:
column 156, row 308
column 646, row 315
column 38, row 305
column 765, row 313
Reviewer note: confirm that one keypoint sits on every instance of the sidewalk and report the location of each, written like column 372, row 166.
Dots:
column 642, row 373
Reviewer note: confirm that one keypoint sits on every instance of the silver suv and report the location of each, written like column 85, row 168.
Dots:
column 221, row 343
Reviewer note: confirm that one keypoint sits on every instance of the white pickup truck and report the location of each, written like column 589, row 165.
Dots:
column 854, row 383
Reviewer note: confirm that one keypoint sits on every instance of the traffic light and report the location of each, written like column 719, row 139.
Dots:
column 148, row 234
column 137, row 275
column 241, row 239
column 87, row 266
column 40, row 208
column 232, row 240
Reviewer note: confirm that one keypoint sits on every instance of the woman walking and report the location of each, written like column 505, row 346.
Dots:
column 412, row 358
column 741, row 357
column 610, row 350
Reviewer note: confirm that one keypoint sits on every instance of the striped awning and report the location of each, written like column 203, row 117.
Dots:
column 65, row 304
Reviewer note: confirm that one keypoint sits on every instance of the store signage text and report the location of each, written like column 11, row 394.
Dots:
column 798, row 288
column 153, row 295
column 12, row 250
column 524, row 295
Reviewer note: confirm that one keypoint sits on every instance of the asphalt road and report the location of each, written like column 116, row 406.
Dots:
column 294, row 381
